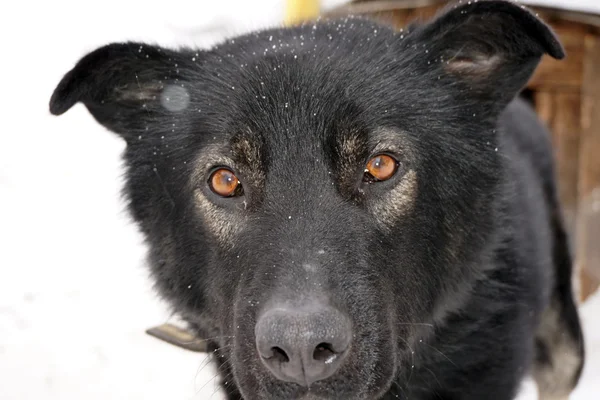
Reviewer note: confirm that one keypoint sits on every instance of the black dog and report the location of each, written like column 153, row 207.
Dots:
column 351, row 212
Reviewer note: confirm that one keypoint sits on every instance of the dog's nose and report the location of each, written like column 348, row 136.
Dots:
column 303, row 345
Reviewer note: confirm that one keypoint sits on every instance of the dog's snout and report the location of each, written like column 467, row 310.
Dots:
column 303, row 345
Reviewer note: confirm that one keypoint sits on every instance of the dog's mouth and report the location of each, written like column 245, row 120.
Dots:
column 352, row 372
column 322, row 390
column 356, row 388
column 344, row 385
column 315, row 394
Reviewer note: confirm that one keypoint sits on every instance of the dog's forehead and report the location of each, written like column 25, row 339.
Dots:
column 295, row 96
column 321, row 60
column 350, row 32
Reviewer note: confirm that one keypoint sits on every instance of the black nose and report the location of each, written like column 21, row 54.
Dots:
column 303, row 345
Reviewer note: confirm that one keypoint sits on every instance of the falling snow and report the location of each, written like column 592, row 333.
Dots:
column 103, row 339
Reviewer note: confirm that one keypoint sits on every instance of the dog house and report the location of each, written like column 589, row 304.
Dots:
column 566, row 95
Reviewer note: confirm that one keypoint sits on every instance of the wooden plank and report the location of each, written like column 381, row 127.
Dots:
column 402, row 17
column 589, row 171
column 563, row 74
column 544, row 106
column 566, row 129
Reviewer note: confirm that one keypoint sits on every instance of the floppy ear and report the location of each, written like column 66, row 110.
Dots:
column 126, row 86
column 490, row 46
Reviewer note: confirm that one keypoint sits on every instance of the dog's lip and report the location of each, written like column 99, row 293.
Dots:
column 312, row 395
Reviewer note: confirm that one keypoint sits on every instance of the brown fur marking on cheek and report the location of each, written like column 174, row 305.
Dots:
column 397, row 202
column 220, row 222
column 556, row 375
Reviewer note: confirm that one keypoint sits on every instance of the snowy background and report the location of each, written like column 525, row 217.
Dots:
column 74, row 294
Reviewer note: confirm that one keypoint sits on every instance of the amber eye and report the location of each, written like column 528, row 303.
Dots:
column 224, row 183
column 380, row 168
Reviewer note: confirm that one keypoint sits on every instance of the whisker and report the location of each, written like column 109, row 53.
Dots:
column 164, row 187
column 206, row 383
column 416, row 324
column 434, row 376
column 404, row 396
column 442, row 354
column 203, row 365
column 412, row 367
column 211, row 357
column 221, row 387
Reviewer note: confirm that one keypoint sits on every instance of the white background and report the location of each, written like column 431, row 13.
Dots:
column 74, row 295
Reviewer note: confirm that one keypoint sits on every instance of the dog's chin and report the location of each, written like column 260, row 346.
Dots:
column 365, row 386
column 315, row 394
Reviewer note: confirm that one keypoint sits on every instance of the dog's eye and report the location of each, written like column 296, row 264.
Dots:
column 224, row 183
column 380, row 168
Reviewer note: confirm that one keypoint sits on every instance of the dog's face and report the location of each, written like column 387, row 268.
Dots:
column 316, row 198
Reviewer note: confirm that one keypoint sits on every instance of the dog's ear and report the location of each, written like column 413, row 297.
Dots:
column 491, row 47
column 126, row 86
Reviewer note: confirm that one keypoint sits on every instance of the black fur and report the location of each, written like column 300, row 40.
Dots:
column 445, row 298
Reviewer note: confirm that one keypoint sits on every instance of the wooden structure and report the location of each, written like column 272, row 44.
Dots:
column 566, row 95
